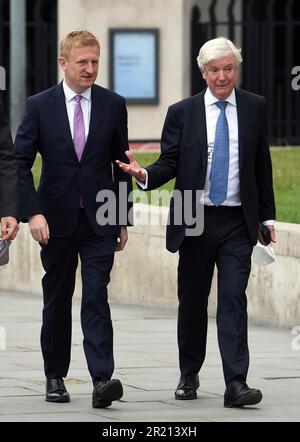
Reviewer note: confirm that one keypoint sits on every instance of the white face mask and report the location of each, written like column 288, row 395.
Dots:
column 263, row 255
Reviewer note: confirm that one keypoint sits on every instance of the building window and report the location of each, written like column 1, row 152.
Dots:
column 134, row 59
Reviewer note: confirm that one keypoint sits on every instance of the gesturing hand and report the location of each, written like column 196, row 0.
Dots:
column 134, row 169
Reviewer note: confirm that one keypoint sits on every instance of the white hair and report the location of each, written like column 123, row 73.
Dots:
column 218, row 48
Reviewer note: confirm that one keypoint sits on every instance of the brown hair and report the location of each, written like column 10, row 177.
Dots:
column 79, row 37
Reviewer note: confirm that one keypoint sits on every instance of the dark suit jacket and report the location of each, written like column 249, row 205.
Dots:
column 8, row 170
column 184, row 156
column 45, row 129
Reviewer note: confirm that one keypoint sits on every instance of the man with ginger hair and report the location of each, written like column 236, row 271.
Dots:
column 79, row 129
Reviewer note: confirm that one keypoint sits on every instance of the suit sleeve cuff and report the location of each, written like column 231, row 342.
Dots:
column 144, row 185
column 269, row 222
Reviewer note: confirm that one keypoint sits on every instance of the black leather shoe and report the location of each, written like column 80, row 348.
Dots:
column 187, row 387
column 56, row 391
column 105, row 392
column 238, row 394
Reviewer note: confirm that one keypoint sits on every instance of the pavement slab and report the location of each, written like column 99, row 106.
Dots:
column 146, row 362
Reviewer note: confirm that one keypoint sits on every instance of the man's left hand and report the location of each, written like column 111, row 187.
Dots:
column 272, row 235
column 9, row 228
column 122, row 240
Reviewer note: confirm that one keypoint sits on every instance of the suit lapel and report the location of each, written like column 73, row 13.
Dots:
column 242, row 124
column 63, row 120
column 199, row 115
column 200, row 125
column 97, row 114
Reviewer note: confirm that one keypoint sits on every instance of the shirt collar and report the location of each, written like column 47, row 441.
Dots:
column 210, row 99
column 70, row 94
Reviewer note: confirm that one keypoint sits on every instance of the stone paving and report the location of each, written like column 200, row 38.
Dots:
column 146, row 363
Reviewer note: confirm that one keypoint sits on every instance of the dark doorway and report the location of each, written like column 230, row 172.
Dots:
column 270, row 41
column 271, row 32
column 41, row 44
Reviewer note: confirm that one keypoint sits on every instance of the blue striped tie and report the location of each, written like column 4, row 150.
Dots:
column 220, row 161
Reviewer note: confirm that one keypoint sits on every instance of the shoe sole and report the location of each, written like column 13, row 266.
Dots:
column 179, row 398
column 58, row 400
column 251, row 399
column 113, row 392
column 101, row 404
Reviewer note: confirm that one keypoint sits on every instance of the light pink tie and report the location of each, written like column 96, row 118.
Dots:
column 79, row 132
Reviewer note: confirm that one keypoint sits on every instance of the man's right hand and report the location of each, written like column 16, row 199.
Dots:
column 39, row 229
column 134, row 169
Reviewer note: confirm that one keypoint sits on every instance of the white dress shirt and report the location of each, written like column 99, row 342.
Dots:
column 212, row 115
column 86, row 104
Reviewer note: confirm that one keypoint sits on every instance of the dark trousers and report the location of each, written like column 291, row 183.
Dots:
column 60, row 259
column 226, row 243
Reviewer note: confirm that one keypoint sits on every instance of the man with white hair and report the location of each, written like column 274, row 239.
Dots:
column 216, row 141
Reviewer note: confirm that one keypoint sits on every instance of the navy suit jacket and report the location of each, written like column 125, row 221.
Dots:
column 184, row 156
column 8, row 171
column 64, row 180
